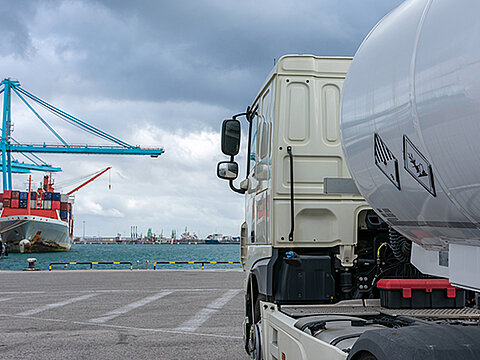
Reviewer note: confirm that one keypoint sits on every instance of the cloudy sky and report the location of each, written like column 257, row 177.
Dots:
column 160, row 73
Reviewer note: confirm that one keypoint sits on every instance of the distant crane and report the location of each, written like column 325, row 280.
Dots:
column 89, row 180
column 8, row 145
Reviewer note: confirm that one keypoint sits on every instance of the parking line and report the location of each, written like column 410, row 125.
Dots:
column 101, row 291
column 55, row 305
column 123, row 310
column 203, row 315
column 21, row 292
column 166, row 331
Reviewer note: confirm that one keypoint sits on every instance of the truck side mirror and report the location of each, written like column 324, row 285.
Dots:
column 227, row 170
column 231, row 137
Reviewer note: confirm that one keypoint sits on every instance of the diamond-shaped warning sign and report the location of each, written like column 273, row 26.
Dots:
column 386, row 161
column 417, row 165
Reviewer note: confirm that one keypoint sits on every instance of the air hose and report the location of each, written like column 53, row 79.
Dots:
column 400, row 245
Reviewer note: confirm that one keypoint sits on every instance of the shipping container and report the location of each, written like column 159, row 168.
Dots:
column 33, row 204
column 15, row 194
column 64, row 206
column 63, row 215
column 23, row 195
column 56, row 196
column 55, row 205
column 47, row 204
column 33, row 195
column 7, row 194
column 63, row 197
column 47, row 196
column 14, row 202
column 22, row 203
column 6, row 203
column 1, row 197
column 70, row 207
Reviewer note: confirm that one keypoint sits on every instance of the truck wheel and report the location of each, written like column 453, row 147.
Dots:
column 257, row 316
column 254, row 342
column 255, row 335
column 366, row 356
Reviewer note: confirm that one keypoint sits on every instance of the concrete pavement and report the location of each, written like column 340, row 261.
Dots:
column 106, row 314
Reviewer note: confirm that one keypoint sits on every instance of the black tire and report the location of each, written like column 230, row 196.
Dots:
column 366, row 356
column 249, row 346
column 256, row 315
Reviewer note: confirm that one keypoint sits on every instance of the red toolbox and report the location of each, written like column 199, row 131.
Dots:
column 419, row 294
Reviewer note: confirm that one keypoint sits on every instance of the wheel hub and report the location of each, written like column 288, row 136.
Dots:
column 254, row 342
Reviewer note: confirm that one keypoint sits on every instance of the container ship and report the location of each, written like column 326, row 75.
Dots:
column 42, row 220
column 36, row 221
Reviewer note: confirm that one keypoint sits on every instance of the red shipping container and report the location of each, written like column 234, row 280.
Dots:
column 64, row 206
column 7, row 194
column 6, row 203
column 1, row 197
column 15, row 194
column 15, row 203
column 55, row 205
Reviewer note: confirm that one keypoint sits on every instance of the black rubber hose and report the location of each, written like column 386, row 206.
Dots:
column 401, row 246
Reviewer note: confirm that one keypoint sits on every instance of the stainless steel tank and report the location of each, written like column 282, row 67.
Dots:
column 410, row 126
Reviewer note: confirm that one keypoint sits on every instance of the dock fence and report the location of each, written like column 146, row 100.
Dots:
column 91, row 263
column 192, row 262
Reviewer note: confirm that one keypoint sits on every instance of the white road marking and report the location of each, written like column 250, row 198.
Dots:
column 203, row 315
column 5, row 299
column 166, row 331
column 55, row 305
column 123, row 310
column 101, row 291
column 21, row 292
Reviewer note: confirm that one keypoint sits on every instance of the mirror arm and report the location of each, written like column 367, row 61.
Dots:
column 241, row 114
column 248, row 116
column 240, row 191
column 230, row 182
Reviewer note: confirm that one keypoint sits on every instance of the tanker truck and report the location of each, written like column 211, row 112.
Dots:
column 361, row 238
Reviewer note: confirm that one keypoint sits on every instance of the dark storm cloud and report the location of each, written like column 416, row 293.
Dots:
column 206, row 51
column 14, row 29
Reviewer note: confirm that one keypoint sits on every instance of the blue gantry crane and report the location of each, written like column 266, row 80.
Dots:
column 9, row 145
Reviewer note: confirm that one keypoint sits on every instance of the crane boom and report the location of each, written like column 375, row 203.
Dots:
column 85, row 149
column 89, row 180
column 8, row 164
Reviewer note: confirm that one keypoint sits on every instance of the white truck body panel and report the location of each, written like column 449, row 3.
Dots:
column 281, row 336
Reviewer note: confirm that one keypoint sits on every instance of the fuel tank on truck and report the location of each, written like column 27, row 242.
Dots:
column 410, row 126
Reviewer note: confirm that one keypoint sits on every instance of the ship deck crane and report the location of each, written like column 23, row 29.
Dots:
column 8, row 145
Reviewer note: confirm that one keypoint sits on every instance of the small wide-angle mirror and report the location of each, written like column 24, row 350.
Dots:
column 227, row 170
column 231, row 137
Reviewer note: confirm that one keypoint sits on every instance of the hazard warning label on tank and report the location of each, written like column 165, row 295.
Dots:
column 386, row 161
column 417, row 165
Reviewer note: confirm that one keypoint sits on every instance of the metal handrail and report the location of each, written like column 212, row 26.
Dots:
column 192, row 262
column 91, row 263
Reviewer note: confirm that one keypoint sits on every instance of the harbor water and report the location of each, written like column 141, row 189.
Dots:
column 129, row 253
